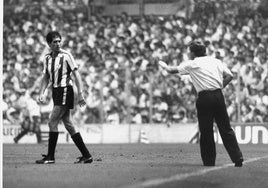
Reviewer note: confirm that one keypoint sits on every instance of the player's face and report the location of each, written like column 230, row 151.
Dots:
column 55, row 44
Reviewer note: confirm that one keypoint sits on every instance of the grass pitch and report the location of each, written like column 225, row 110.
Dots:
column 132, row 165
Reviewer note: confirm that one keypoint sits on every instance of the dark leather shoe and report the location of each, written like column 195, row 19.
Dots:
column 209, row 164
column 84, row 160
column 45, row 160
column 239, row 163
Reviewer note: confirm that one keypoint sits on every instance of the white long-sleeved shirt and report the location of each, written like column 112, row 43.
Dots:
column 206, row 72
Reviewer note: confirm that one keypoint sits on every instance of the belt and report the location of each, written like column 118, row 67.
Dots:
column 208, row 91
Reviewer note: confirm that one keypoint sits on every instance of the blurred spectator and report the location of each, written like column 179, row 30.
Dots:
column 136, row 116
column 117, row 52
column 30, row 118
column 113, row 116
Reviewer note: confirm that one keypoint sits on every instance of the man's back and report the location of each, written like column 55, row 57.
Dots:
column 206, row 72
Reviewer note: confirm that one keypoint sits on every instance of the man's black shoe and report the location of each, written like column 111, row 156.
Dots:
column 84, row 160
column 45, row 160
column 209, row 164
column 239, row 163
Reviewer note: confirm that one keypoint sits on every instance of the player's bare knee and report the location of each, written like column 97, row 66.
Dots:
column 52, row 127
column 70, row 129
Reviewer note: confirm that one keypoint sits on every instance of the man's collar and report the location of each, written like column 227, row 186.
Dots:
column 55, row 54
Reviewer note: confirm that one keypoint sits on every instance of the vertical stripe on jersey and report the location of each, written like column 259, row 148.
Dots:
column 47, row 65
column 64, row 75
column 52, row 71
column 64, row 96
column 69, row 70
column 60, row 72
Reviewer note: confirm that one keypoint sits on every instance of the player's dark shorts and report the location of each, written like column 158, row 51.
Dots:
column 63, row 96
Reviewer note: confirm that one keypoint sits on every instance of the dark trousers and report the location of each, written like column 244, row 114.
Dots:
column 211, row 106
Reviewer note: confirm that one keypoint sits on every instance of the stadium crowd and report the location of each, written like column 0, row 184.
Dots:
column 117, row 58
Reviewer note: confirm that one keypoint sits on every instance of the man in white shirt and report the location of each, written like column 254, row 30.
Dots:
column 30, row 116
column 209, row 76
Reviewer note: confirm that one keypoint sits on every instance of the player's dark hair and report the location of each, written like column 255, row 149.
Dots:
column 51, row 35
column 198, row 49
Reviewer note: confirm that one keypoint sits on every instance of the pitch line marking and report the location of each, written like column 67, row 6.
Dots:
column 178, row 177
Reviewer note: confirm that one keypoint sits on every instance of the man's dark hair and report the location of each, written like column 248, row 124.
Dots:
column 51, row 35
column 197, row 48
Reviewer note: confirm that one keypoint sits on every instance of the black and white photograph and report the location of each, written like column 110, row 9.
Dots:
column 134, row 93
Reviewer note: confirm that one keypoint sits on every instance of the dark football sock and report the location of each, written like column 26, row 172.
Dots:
column 80, row 144
column 52, row 142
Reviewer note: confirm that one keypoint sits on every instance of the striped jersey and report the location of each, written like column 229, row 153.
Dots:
column 59, row 68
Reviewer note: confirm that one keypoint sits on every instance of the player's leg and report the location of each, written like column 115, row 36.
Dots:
column 20, row 135
column 54, row 119
column 36, row 128
column 205, row 122
column 86, row 156
column 25, row 129
column 227, row 133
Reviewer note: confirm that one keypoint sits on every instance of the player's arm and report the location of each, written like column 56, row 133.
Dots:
column 79, row 85
column 77, row 79
column 44, row 84
column 227, row 76
column 170, row 69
